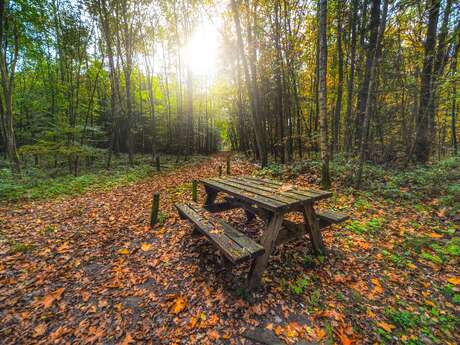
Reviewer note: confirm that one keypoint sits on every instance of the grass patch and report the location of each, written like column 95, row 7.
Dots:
column 19, row 247
column 45, row 182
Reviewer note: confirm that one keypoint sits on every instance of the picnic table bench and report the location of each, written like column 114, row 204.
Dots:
column 269, row 200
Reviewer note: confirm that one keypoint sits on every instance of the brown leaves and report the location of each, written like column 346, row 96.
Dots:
column 48, row 300
column 39, row 330
column 285, row 187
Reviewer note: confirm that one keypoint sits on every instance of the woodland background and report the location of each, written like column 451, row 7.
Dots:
column 84, row 80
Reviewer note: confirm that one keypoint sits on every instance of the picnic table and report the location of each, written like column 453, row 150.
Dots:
column 268, row 199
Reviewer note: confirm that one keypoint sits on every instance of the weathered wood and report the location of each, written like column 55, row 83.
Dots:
column 157, row 162
column 268, row 242
column 292, row 194
column 310, row 193
column 260, row 212
column 194, row 191
column 234, row 245
column 312, row 226
column 267, row 203
column 259, row 191
column 155, row 208
column 331, row 216
column 211, row 195
column 228, row 165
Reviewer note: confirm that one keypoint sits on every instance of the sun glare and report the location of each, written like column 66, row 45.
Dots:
column 202, row 50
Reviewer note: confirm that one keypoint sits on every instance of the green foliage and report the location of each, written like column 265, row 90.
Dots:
column 299, row 285
column 403, row 319
column 37, row 184
column 369, row 227
column 272, row 170
column 19, row 247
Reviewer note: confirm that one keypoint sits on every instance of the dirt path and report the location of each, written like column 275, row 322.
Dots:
column 90, row 270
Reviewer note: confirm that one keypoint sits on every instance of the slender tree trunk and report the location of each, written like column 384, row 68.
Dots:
column 364, row 90
column 252, row 89
column 338, row 102
column 322, row 95
column 423, row 137
column 348, row 140
column 369, row 98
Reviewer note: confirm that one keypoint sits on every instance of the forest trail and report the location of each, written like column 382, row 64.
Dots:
column 89, row 270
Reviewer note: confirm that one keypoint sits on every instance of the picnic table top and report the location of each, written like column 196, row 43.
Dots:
column 265, row 193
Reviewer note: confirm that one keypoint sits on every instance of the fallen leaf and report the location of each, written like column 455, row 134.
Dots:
column 386, row 326
column 123, row 251
column 320, row 333
column 278, row 330
column 178, row 305
column 435, row 235
column 48, row 300
column 285, row 187
column 145, row 247
column 213, row 334
column 454, row 280
column 40, row 330
column 128, row 340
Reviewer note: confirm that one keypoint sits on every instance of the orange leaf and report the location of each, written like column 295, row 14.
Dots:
column 128, row 340
column 434, row 235
column 178, row 305
column 454, row 280
column 123, row 251
column 48, row 300
column 386, row 326
column 213, row 334
column 343, row 337
column 146, row 247
column 40, row 330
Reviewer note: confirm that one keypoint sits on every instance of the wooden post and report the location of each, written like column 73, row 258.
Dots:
column 194, row 191
column 155, row 208
column 228, row 165
column 268, row 241
column 220, row 170
column 157, row 160
column 312, row 223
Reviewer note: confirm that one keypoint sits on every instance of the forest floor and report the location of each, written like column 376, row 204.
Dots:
column 89, row 269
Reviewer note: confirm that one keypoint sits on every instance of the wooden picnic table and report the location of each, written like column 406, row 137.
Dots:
column 270, row 200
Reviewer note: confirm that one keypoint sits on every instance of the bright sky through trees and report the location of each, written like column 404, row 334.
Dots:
column 201, row 50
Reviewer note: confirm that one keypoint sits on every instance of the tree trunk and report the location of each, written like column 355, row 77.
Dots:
column 423, row 137
column 322, row 94
column 252, row 90
column 348, row 140
column 372, row 80
column 7, row 73
column 338, row 102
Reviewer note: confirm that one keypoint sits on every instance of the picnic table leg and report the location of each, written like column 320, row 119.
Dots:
column 312, row 224
column 211, row 195
column 249, row 216
column 268, row 242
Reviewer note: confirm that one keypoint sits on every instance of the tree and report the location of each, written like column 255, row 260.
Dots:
column 9, row 53
column 322, row 63
column 423, row 134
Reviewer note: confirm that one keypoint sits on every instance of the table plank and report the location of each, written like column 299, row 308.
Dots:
column 314, row 194
column 273, row 190
column 252, row 198
column 258, row 191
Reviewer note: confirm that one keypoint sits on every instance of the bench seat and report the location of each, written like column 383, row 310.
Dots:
column 234, row 245
column 328, row 217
